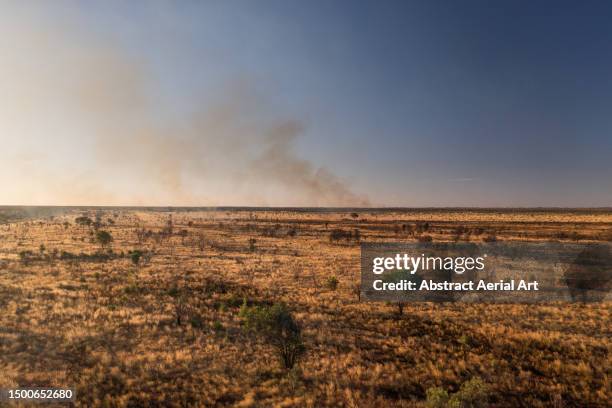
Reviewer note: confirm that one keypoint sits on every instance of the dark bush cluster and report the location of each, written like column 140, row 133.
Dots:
column 421, row 227
column 340, row 234
column 84, row 221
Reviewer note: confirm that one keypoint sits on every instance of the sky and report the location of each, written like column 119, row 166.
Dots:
column 306, row 103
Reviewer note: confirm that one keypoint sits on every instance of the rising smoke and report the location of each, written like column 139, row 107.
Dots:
column 80, row 124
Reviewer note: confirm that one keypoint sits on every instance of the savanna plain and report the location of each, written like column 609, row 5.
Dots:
column 261, row 307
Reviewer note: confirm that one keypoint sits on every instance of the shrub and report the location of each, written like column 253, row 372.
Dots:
column 490, row 238
column 25, row 256
column 338, row 234
column 65, row 255
column 135, row 256
column 196, row 321
column 437, row 397
column 276, row 326
column 104, row 238
column 473, row 393
column 84, row 221
column 422, row 227
column 332, row 283
column 183, row 234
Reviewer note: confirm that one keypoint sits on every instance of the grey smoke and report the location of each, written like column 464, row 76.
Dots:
column 88, row 111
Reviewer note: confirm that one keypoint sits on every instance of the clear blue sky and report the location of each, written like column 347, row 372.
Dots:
column 410, row 103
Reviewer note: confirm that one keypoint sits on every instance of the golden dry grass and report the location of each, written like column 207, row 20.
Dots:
column 109, row 327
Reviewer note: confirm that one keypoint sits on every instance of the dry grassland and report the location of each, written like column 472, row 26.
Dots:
column 166, row 330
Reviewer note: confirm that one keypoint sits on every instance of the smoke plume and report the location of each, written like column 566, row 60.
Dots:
column 80, row 123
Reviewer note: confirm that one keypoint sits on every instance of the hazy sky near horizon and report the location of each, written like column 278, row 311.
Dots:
column 306, row 103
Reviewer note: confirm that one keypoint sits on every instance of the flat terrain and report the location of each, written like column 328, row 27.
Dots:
column 164, row 327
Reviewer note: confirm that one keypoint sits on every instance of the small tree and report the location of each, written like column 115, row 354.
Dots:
column 180, row 307
column 135, row 256
column 104, row 238
column 276, row 326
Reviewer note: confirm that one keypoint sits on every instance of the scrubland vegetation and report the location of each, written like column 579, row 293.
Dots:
column 137, row 307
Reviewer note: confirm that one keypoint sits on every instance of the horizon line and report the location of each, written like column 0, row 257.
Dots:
column 298, row 208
